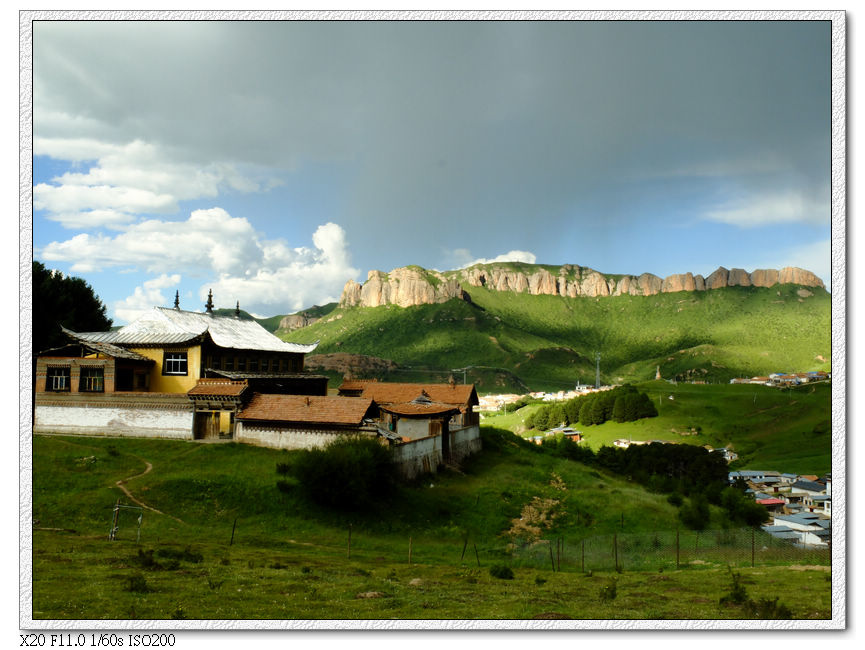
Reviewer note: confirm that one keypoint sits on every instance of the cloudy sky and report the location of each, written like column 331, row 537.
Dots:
column 274, row 161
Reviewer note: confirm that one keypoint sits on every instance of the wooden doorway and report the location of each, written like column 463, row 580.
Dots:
column 205, row 425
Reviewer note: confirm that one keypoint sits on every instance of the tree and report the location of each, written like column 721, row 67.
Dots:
column 63, row 300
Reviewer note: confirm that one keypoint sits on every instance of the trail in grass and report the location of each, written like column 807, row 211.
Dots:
column 122, row 485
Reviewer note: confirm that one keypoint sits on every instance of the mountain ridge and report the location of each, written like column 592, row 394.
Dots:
column 413, row 285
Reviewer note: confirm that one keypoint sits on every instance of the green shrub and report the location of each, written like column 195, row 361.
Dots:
column 138, row 584
column 695, row 514
column 608, row 592
column 501, row 572
column 770, row 609
column 350, row 473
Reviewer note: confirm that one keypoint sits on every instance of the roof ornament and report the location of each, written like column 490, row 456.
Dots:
column 237, row 310
column 209, row 304
column 177, row 300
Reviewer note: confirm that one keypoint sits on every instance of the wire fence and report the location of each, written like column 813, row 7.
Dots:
column 666, row 550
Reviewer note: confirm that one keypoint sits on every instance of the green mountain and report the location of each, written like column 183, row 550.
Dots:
column 511, row 340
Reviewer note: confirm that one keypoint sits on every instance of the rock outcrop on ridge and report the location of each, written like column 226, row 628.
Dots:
column 409, row 286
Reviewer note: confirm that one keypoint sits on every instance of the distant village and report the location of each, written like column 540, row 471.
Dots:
column 800, row 506
column 782, row 379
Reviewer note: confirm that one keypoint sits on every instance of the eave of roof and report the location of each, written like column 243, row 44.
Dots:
column 163, row 326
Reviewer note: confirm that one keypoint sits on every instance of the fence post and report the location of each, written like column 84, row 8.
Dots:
column 616, row 551
column 583, row 557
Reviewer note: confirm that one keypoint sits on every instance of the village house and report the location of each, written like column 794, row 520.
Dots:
column 154, row 376
column 427, row 424
column 304, row 421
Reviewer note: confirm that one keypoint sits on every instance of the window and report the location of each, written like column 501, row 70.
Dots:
column 229, row 363
column 253, row 365
column 241, row 364
column 92, row 380
column 57, row 379
column 174, row 364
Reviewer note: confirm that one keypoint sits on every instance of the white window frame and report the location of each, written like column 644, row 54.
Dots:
column 175, row 364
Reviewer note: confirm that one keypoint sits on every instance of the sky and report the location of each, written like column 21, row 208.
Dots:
column 271, row 162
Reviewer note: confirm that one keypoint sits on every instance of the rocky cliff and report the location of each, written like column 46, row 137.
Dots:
column 296, row 321
column 403, row 287
column 415, row 286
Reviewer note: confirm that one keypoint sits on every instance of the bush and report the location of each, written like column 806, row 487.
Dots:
column 351, row 473
column 695, row 514
column 608, row 592
column 501, row 572
column 137, row 584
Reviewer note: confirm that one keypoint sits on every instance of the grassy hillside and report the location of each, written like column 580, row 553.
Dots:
column 549, row 342
column 785, row 430
column 226, row 543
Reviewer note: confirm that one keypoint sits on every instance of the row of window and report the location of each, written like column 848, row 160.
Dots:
column 250, row 364
column 59, row 380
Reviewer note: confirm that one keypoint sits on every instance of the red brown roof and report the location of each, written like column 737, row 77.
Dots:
column 310, row 409
column 221, row 387
column 356, row 384
column 397, row 393
column 412, row 408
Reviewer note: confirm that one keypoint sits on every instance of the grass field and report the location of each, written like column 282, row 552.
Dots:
column 785, row 430
column 227, row 544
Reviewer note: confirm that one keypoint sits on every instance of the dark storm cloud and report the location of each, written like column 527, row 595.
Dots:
column 503, row 122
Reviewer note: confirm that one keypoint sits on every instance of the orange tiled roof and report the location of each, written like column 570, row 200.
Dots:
column 397, row 393
column 356, row 384
column 421, row 409
column 312, row 409
column 218, row 387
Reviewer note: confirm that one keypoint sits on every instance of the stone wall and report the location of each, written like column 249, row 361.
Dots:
column 162, row 418
column 424, row 455
column 285, row 437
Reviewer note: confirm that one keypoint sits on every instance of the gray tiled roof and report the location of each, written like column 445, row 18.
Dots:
column 811, row 486
column 163, row 326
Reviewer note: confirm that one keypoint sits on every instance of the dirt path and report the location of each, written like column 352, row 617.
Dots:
column 122, row 485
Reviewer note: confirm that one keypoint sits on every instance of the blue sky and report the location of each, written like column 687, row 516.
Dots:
column 272, row 162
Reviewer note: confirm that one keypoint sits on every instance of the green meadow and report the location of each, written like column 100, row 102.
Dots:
column 218, row 540
column 787, row 430
column 511, row 341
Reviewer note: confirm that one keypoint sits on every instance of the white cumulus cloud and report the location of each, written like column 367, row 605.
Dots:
column 145, row 297
column 234, row 260
column 124, row 180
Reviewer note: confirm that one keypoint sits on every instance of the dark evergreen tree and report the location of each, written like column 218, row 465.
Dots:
column 586, row 411
column 63, row 300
